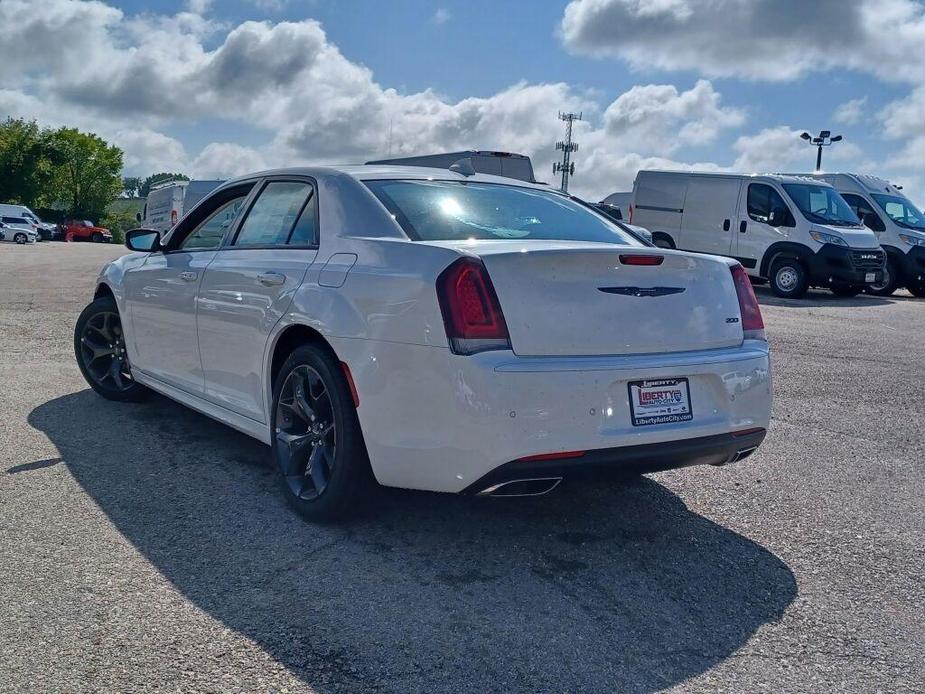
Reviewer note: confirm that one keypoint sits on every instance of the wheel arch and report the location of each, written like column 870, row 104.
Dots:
column 287, row 340
column 784, row 249
column 103, row 289
column 656, row 235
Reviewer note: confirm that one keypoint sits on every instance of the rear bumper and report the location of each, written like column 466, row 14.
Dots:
column 838, row 265
column 610, row 463
column 437, row 421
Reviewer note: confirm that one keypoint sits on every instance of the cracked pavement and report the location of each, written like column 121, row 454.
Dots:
column 144, row 547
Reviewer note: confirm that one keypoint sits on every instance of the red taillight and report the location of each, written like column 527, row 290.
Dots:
column 173, row 216
column 631, row 214
column 471, row 312
column 551, row 456
column 752, row 323
column 642, row 259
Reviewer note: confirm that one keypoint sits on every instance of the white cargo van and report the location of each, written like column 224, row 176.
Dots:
column 793, row 231
column 898, row 224
column 168, row 202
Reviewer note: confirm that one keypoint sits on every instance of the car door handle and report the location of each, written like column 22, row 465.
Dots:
column 743, row 225
column 725, row 225
column 271, row 279
column 188, row 276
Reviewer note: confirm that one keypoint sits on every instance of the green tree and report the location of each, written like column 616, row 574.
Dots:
column 130, row 186
column 27, row 163
column 88, row 175
column 156, row 179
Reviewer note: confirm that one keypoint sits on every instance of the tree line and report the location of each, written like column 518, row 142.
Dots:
column 66, row 169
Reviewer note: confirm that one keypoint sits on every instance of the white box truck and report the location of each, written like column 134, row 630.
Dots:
column 898, row 224
column 168, row 202
column 792, row 231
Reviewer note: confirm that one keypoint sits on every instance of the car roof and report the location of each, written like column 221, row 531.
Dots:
column 371, row 172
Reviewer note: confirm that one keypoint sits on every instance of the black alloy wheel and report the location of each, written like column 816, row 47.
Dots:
column 317, row 442
column 99, row 345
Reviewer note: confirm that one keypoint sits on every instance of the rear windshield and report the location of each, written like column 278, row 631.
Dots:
column 457, row 210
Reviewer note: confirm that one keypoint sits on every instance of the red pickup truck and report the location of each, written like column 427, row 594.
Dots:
column 84, row 230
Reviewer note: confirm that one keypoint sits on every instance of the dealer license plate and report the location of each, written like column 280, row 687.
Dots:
column 663, row 401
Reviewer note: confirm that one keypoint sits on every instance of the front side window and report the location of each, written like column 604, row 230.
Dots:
column 279, row 213
column 209, row 233
column 901, row 211
column 821, row 204
column 863, row 211
column 763, row 200
column 456, row 210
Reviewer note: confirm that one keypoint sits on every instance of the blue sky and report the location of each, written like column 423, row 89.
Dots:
column 662, row 83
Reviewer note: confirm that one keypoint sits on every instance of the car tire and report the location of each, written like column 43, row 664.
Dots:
column 662, row 241
column 20, row 239
column 317, row 444
column 890, row 281
column 789, row 278
column 96, row 237
column 99, row 346
column 846, row 291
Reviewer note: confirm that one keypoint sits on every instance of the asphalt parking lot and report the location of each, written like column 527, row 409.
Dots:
column 145, row 548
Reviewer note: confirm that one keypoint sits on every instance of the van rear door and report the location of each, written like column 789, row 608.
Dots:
column 707, row 225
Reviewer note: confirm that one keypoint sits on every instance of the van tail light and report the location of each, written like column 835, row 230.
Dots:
column 173, row 216
column 752, row 323
column 471, row 312
column 631, row 214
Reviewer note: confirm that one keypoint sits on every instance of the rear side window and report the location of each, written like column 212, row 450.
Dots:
column 762, row 200
column 454, row 210
column 864, row 211
column 281, row 211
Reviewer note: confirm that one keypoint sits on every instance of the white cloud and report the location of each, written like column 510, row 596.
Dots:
column 774, row 40
column 441, row 16
column 851, row 112
column 198, row 6
column 226, row 160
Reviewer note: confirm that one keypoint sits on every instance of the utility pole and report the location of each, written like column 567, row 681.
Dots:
column 824, row 139
column 566, row 166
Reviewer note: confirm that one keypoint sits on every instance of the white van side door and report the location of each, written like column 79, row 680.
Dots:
column 765, row 217
column 709, row 213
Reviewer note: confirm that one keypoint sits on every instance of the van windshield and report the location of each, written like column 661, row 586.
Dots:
column 821, row 204
column 901, row 211
column 457, row 210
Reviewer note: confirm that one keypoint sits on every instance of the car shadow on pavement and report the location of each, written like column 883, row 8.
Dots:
column 820, row 299
column 613, row 588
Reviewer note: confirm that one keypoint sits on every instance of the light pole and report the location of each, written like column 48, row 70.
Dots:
column 824, row 139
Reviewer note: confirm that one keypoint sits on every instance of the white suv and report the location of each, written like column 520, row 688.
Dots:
column 432, row 330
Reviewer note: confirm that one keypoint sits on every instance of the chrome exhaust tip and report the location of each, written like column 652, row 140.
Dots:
column 534, row 486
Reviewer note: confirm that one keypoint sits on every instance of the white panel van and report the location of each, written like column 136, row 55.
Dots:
column 168, row 202
column 792, row 231
column 898, row 224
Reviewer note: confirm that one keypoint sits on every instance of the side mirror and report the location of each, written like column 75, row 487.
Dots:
column 143, row 240
column 138, row 216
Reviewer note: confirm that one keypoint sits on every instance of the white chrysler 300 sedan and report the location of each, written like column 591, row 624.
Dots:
column 426, row 329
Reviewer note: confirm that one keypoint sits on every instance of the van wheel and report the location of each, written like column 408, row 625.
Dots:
column 662, row 241
column 317, row 443
column 888, row 284
column 846, row 291
column 789, row 279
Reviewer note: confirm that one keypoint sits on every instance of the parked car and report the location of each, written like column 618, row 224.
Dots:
column 17, row 230
column 507, row 164
column 167, row 203
column 85, row 230
column 898, row 224
column 46, row 230
column 430, row 330
column 616, row 216
column 793, row 231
